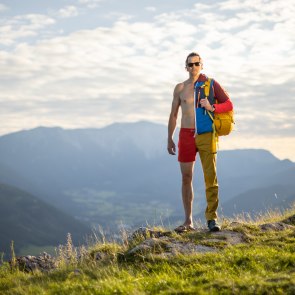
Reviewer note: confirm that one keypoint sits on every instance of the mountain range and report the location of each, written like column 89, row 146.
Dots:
column 122, row 175
column 26, row 220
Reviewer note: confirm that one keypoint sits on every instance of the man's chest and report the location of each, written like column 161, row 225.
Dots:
column 187, row 95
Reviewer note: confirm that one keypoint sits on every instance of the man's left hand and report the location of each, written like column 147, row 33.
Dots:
column 205, row 104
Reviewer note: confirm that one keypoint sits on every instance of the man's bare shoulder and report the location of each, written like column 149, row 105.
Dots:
column 180, row 86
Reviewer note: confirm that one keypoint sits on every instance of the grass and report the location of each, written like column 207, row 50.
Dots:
column 264, row 264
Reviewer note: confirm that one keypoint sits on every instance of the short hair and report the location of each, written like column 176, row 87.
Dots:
column 192, row 54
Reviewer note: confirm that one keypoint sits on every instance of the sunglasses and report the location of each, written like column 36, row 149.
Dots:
column 197, row 64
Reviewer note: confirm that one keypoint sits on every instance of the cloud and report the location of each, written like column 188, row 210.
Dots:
column 150, row 8
column 91, row 3
column 23, row 26
column 118, row 16
column 68, row 11
column 127, row 71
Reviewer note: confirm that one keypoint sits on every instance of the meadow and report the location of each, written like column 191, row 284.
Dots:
column 263, row 263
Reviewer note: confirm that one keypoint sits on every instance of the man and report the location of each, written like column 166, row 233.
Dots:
column 189, row 95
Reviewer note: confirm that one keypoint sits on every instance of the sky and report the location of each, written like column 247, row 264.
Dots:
column 90, row 63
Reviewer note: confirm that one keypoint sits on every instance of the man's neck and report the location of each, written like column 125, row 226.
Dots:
column 194, row 78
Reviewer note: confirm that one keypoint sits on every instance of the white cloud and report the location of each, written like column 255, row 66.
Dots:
column 91, row 3
column 117, row 16
column 127, row 71
column 22, row 26
column 150, row 8
column 68, row 11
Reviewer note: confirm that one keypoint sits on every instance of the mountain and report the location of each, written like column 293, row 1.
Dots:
column 241, row 170
column 260, row 200
column 27, row 220
column 122, row 173
column 97, row 175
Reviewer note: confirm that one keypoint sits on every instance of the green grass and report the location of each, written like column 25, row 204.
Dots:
column 264, row 264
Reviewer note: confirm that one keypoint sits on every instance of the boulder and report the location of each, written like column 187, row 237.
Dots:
column 43, row 263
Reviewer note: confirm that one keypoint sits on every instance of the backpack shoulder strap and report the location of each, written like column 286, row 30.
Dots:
column 207, row 86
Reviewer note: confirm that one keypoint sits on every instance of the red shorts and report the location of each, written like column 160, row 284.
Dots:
column 187, row 149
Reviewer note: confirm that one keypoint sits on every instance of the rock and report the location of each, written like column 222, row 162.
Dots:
column 140, row 249
column 166, row 246
column 290, row 220
column 231, row 237
column 150, row 245
column 43, row 263
column 148, row 233
column 204, row 249
column 188, row 248
column 276, row 226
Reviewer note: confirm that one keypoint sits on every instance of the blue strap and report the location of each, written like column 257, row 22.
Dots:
column 199, row 84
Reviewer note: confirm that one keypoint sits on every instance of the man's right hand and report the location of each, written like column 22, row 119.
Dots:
column 171, row 147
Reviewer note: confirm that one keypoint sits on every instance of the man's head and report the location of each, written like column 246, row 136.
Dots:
column 193, row 60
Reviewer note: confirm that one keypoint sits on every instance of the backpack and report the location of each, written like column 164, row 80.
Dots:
column 223, row 123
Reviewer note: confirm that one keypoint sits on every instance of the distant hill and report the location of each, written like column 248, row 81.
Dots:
column 122, row 173
column 241, row 170
column 101, row 176
column 27, row 220
column 260, row 200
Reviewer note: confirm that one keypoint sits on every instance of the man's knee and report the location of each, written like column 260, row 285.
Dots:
column 187, row 178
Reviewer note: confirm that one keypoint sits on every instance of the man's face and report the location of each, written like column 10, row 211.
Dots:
column 194, row 65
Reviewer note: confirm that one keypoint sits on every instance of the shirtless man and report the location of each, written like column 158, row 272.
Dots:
column 192, row 141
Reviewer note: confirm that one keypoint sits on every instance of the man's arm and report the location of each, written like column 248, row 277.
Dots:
column 173, row 119
column 224, row 103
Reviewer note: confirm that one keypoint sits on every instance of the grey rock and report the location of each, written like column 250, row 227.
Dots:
column 167, row 246
column 231, row 237
column 276, row 226
column 140, row 249
column 43, row 263
column 148, row 233
column 204, row 249
column 290, row 220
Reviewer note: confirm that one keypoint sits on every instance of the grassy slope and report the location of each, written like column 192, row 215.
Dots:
column 28, row 220
column 265, row 264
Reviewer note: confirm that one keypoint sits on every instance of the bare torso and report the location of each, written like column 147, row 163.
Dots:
column 186, row 97
column 183, row 97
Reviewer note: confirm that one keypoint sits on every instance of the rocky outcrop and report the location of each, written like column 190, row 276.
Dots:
column 276, row 226
column 167, row 244
column 147, row 232
column 43, row 263
column 147, row 243
column 290, row 220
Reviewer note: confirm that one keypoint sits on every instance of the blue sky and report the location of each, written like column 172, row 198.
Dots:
column 89, row 63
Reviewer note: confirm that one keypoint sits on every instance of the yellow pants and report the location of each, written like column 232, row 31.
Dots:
column 208, row 160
